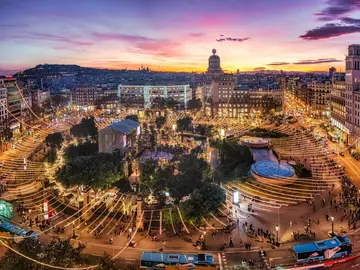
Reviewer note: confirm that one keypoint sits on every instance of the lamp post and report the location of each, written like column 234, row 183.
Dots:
column 277, row 234
column 332, row 226
column 204, row 237
column 73, row 226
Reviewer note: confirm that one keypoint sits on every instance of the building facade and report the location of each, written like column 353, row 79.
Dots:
column 144, row 95
column 222, row 96
column 227, row 99
column 352, row 93
column 214, row 67
column 3, row 113
column 85, row 97
column 39, row 97
column 13, row 101
column 317, row 98
column 338, row 109
column 120, row 135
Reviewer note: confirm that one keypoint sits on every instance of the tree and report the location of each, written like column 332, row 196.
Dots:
column 171, row 103
column 60, row 253
column 158, row 103
column 194, row 104
column 184, row 123
column 98, row 171
column 235, row 161
column 160, row 121
column 37, row 110
column 87, row 128
column 191, row 173
column 153, row 177
column 83, row 149
column 133, row 117
column 106, row 263
column 242, row 266
column 54, row 139
column 203, row 201
column 59, row 101
column 51, row 156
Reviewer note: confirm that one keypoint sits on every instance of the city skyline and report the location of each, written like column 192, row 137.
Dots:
column 179, row 36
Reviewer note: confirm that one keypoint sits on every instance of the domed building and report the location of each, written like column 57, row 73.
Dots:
column 214, row 67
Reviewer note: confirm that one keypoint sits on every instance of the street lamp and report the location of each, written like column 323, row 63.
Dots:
column 332, row 226
column 277, row 234
column 73, row 225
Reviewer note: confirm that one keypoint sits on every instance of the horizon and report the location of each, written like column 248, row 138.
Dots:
column 180, row 71
column 306, row 36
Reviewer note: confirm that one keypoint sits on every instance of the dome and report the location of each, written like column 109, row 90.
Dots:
column 214, row 57
column 214, row 63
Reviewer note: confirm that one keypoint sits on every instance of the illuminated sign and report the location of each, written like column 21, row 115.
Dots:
column 6, row 209
column 46, row 209
column 138, row 130
column 236, row 197
column 124, row 140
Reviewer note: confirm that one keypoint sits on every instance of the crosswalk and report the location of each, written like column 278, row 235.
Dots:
column 222, row 261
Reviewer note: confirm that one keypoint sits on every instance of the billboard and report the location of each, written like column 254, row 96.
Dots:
column 6, row 209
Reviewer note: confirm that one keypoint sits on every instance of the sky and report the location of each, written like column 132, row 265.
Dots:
column 178, row 35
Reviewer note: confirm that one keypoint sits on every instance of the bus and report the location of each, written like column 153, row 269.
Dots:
column 154, row 260
column 16, row 230
column 337, row 247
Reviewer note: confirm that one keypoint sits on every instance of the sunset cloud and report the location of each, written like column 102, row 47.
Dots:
column 338, row 24
column 317, row 61
column 330, row 30
column 278, row 64
column 222, row 39
column 337, row 8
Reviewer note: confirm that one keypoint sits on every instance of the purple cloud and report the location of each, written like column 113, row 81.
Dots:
column 72, row 40
column 348, row 20
column 330, row 30
column 317, row 61
column 222, row 39
column 259, row 69
column 13, row 25
column 144, row 45
column 278, row 64
column 337, row 8
column 121, row 37
column 196, row 35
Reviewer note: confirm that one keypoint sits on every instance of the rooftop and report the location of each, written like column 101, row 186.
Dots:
column 124, row 126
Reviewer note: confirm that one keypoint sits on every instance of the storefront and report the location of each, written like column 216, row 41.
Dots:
column 340, row 131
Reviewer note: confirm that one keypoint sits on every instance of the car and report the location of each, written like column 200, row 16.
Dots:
column 334, row 152
column 342, row 154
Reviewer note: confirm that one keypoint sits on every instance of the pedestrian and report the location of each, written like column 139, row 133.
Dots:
column 290, row 223
column 314, row 207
